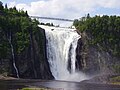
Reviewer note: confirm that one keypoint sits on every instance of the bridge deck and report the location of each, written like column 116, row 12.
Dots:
column 50, row 18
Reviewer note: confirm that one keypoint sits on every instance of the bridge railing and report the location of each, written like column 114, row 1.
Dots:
column 51, row 18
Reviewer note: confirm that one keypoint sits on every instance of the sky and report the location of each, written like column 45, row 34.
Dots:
column 70, row 9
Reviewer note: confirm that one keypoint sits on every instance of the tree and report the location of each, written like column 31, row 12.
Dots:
column 1, row 5
column 104, row 31
column 88, row 16
column 6, row 7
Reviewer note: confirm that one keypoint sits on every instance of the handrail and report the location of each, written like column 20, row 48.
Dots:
column 51, row 18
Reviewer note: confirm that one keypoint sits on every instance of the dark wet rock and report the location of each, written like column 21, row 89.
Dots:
column 69, row 59
column 79, row 61
column 52, row 29
column 92, row 60
column 32, row 63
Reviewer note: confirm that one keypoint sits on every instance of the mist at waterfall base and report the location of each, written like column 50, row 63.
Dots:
column 61, row 44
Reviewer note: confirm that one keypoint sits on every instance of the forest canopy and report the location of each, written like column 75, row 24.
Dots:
column 104, row 31
column 15, row 25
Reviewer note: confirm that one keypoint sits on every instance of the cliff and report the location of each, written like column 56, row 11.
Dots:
column 99, row 53
column 31, row 62
column 22, row 45
column 93, row 60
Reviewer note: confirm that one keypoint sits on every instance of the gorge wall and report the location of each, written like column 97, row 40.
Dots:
column 101, row 42
column 32, row 62
column 93, row 60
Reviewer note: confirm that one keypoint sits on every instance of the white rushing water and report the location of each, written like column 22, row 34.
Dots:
column 13, row 57
column 61, row 46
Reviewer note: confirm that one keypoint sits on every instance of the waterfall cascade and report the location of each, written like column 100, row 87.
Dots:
column 13, row 57
column 61, row 52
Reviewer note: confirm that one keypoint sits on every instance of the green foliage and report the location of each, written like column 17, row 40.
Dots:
column 104, row 31
column 47, row 24
column 1, row 6
column 16, row 24
column 116, row 68
column 117, row 78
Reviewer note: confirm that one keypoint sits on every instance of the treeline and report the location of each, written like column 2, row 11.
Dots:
column 15, row 28
column 47, row 24
column 102, row 30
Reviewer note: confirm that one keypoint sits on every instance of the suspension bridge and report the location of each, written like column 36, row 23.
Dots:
column 51, row 18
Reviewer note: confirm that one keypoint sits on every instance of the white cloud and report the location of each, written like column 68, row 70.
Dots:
column 12, row 4
column 65, row 8
column 109, row 3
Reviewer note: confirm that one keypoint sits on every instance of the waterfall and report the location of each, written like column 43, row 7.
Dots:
column 61, row 52
column 13, row 57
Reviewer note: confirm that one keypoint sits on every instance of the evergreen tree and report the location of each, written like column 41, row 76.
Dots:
column 104, row 31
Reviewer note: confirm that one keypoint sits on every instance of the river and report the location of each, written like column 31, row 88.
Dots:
column 18, row 84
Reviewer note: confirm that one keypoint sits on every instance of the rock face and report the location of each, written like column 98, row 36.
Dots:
column 79, row 61
column 32, row 62
column 92, row 59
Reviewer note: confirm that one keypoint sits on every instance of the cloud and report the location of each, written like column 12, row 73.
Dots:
column 12, row 4
column 109, row 3
column 65, row 8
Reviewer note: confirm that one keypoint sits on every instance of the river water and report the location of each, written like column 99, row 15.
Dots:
column 54, row 85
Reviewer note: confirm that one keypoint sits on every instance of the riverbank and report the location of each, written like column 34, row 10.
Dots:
column 3, row 77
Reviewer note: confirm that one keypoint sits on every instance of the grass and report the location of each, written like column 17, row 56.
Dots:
column 115, row 80
column 115, row 83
